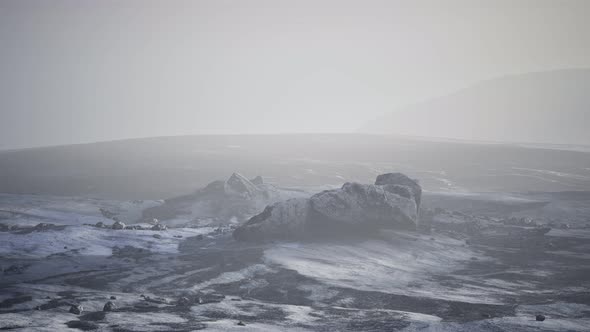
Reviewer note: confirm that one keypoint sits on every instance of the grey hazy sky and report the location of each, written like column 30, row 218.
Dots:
column 81, row 71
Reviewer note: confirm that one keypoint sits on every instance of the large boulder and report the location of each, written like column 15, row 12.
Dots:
column 109, row 306
column 118, row 225
column 348, row 211
column 402, row 185
column 76, row 309
column 361, row 207
column 282, row 220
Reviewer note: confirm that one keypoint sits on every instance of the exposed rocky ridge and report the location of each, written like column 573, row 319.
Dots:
column 237, row 197
column 390, row 203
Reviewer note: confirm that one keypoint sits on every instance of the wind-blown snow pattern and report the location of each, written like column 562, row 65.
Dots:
column 481, row 262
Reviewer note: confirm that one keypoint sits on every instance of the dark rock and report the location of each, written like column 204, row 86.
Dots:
column 109, row 306
column 157, row 236
column 540, row 318
column 199, row 298
column 113, row 297
column 159, row 227
column 76, row 309
column 240, row 323
column 118, row 225
column 99, row 224
column 43, row 227
column 184, row 302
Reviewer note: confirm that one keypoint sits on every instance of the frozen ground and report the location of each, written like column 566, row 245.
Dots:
column 185, row 279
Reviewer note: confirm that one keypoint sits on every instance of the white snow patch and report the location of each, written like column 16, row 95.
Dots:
column 87, row 240
column 400, row 266
column 234, row 276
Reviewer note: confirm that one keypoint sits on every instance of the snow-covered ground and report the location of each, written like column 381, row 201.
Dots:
column 75, row 241
column 32, row 209
column 406, row 264
column 397, row 281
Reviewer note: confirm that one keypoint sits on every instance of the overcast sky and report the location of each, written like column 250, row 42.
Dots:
column 82, row 71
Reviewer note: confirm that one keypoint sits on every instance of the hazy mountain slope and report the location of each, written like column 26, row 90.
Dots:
column 549, row 107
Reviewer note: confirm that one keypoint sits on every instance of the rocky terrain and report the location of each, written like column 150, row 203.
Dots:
column 220, row 201
column 392, row 202
column 469, row 261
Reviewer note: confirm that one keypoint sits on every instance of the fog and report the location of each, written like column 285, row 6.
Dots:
column 86, row 71
column 294, row 165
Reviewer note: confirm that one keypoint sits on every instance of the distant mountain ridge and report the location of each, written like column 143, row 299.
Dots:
column 541, row 107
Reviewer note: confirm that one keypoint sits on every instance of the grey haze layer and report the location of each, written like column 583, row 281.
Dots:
column 157, row 168
column 87, row 71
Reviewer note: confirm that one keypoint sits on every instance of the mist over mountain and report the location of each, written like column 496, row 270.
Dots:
column 540, row 107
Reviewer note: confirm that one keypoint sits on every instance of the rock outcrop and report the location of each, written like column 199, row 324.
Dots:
column 257, row 180
column 353, row 209
column 159, row 227
column 221, row 201
column 402, row 185
column 76, row 309
column 118, row 225
column 238, row 185
column 109, row 306
column 282, row 220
